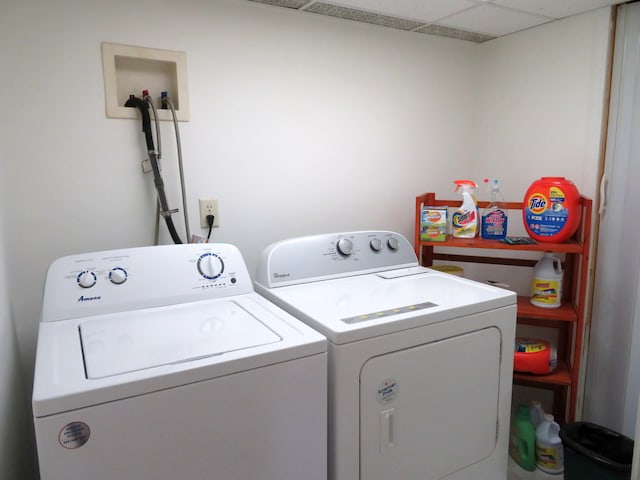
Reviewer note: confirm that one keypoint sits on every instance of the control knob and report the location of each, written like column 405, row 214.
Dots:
column 210, row 266
column 118, row 275
column 86, row 279
column 345, row 246
column 376, row 244
column 393, row 243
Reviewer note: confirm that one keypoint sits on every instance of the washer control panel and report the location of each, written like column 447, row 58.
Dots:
column 304, row 259
column 128, row 279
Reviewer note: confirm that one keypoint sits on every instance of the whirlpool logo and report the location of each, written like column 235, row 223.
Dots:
column 88, row 299
column 280, row 276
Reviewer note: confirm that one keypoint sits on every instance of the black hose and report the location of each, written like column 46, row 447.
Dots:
column 153, row 158
column 146, row 119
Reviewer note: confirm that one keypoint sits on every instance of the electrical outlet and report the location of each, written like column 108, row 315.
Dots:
column 209, row 206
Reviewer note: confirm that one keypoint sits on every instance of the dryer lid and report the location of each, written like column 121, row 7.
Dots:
column 122, row 343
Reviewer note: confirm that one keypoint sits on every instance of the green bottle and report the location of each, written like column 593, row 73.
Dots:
column 522, row 442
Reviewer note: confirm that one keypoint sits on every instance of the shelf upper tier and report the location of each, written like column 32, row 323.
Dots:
column 566, row 247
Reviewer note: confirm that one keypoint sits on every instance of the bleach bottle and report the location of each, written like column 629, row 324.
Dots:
column 546, row 288
column 464, row 221
column 549, row 451
column 494, row 217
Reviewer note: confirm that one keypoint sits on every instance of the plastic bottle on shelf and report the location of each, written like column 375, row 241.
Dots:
column 546, row 289
column 549, row 451
column 522, row 440
column 494, row 217
column 464, row 221
column 537, row 413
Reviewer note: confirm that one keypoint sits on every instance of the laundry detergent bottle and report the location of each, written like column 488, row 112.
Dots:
column 552, row 209
column 549, row 451
column 494, row 217
column 522, row 440
column 464, row 221
column 546, row 288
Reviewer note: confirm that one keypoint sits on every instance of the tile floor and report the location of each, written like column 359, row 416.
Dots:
column 515, row 472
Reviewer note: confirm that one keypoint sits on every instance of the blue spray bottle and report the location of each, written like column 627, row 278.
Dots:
column 494, row 217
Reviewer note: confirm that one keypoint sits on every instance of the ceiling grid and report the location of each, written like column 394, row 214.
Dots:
column 470, row 20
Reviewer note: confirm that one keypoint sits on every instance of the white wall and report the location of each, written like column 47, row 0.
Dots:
column 299, row 124
column 16, row 458
column 540, row 104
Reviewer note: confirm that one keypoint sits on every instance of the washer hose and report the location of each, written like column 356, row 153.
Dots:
column 141, row 105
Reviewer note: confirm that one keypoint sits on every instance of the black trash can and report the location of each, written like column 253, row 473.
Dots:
column 592, row 452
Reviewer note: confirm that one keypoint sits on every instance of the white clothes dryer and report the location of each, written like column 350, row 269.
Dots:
column 420, row 362
column 162, row 363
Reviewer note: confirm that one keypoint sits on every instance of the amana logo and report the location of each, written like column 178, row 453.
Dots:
column 281, row 275
column 88, row 299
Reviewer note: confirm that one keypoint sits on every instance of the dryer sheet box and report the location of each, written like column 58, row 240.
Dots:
column 433, row 224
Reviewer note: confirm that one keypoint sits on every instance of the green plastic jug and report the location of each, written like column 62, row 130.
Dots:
column 522, row 441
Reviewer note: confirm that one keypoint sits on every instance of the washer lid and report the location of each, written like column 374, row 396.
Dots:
column 146, row 339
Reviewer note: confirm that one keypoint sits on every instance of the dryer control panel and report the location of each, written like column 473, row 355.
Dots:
column 134, row 278
column 333, row 255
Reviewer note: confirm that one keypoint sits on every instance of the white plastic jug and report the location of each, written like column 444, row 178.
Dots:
column 546, row 289
column 549, row 450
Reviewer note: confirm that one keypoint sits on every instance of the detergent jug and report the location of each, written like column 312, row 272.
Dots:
column 552, row 209
column 522, row 439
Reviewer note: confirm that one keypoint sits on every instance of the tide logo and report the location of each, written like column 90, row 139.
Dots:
column 434, row 217
column 537, row 203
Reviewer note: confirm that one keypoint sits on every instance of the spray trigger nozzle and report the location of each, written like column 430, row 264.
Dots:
column 462, row 185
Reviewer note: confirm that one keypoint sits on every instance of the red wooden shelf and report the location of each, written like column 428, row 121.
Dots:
column 568, row 319
column 567, row 247
column 560, row 376
column 565, row 313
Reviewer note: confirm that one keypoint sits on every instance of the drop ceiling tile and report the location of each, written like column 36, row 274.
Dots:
column 295, row 4
column 556, row 8
column 425, row 11
column 493, row 20
column 357, row 15
column 443, row 31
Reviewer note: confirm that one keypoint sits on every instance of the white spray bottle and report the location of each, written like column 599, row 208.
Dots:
column 464, row 221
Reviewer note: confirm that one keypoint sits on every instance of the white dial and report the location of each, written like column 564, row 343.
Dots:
column 86, row 279
column 393, row 243
column 118, row 275
column 376, row 244
column 345, row 246
column 210, row 266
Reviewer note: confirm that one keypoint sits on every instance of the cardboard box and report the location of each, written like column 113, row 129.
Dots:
column 433, row 224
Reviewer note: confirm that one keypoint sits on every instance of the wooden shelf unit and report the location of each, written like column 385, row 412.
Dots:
column 569, row 319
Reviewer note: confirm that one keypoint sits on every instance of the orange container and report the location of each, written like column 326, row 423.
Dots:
column 552, row 210
column 534, row 356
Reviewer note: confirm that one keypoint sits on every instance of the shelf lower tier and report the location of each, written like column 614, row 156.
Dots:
column 565, row 313
column 560, row 377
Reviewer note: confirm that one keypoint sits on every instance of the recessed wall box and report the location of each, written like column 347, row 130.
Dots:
column 130, row 70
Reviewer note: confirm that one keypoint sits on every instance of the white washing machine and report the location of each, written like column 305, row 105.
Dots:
column 162, row 363
column 420, row 362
